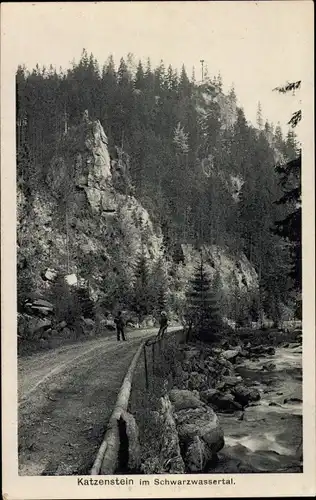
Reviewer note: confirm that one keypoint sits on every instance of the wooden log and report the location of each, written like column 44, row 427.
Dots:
column 153, row 357
column 146, row 368
column 106, row 460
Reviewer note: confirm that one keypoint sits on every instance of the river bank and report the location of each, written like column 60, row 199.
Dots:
column 240, row 403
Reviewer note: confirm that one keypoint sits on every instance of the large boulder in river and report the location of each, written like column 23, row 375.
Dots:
column 231, row 381
column 244, row 395
column 220, row 401
column 261, row 350
column 230, row 354
column 182, row 399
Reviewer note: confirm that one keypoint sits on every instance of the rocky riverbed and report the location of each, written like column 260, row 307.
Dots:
column 236, row 407
column 267, row 435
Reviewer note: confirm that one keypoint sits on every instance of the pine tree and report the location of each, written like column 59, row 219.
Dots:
column 184, row 83
column 290, row 227
column 159, row 286
column 180, row 140
column 142, row 300
column 219, row 82
column 292, row 87
column 202, row 306
column 139, row 77
column 123, row 76
column 259, row 116
column 232, row 94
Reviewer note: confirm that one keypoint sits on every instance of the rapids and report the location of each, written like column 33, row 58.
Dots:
column 267, row 436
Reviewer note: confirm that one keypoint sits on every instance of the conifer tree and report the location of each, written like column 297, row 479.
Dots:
column 142, row 300
column 202, row 306
column 159, row 286
column 259, row 116
column 290, row 227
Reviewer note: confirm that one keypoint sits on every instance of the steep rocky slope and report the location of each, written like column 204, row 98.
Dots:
column 96, row 225
column 83, row 227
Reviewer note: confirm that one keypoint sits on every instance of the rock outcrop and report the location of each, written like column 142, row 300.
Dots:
column 197, row 426
column 99, row 221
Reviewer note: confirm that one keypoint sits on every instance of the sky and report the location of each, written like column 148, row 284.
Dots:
column 254, row 45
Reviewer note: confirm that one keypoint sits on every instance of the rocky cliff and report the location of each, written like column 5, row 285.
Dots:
column 83, row 227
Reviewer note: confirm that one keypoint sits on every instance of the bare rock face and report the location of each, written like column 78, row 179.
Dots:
column 100, row 219
column 97, row 144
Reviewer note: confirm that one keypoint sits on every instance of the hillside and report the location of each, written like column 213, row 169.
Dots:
column 122, row 180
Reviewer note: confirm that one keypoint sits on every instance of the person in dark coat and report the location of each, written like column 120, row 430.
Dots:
column 163, row 324
column 119, row 322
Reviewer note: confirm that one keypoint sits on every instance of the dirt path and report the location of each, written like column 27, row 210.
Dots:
column 65, row 400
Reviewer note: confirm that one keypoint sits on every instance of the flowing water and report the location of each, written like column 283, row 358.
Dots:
column 267, row 437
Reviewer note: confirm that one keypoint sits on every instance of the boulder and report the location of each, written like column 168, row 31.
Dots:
column 226, row 402
column 197, row 381
column 261, row 350
column 62, row 325
column 170, row 458
column 210, row 395
column 40, row 307
column 89, row 324
column 230, row 354
column 29, row 326
column 220, row 401
column 244, row 395
column 231, row 381
column 191, row 353
column 195, row 456
column 201, row 422
column 182, row 399
column 268, row 366
column 270, row 350
column 292, row 400
column 49, row 275
column 71, row 279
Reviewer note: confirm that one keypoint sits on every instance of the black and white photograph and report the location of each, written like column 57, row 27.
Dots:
column 159, row 317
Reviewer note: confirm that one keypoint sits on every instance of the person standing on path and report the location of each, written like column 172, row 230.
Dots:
column 163, row 324
column 119, row 322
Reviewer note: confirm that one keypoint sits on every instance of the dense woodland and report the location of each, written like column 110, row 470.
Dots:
column 183, row 158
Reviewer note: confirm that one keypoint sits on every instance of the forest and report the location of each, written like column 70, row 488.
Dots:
column 204, row 173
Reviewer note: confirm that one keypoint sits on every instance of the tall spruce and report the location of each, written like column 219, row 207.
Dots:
column 290, row 227
column 202, row 305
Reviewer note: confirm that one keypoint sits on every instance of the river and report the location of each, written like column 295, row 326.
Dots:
column 267, row 436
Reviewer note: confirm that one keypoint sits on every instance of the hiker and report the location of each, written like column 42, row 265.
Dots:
column 163, row 324
column 119, row 322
